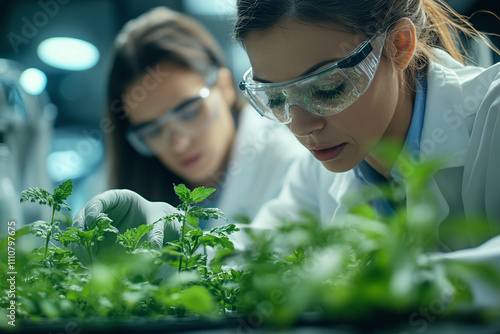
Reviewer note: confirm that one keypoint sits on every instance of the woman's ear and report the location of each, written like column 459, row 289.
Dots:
column 403, row 41
column 226, row 85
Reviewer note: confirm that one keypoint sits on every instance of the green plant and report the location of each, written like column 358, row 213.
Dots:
column 191, row 236
column 89, row 238
column 55, row 283
column 56, row 201
column 366, row 268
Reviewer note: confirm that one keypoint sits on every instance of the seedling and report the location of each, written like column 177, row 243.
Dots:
column 189, row 219
column 56, row 201
column 88, row 239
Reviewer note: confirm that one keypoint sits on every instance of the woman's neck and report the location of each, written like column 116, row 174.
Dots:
column 396, row 132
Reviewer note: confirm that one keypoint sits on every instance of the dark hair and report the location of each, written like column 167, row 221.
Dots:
column 436, row 24
column 157, row 36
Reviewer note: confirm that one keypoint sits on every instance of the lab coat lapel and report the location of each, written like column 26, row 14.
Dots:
column 445, row 136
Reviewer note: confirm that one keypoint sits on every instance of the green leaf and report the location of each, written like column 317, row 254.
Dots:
column 40, row 228
column 223, row 230
column 200, row 193
column 364, row 210
column 196, row 299
column 63, row 191
column 297, row 256
column 175, row 216
column 45, row 198
column 37, row 194
column 206, row 213
column 214, row 241
column 130, row 239
column 199, row 260
column 192, row 221
column 70, row 235
column 183, row 193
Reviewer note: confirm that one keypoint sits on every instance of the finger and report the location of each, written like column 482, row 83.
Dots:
column 79, row 219
column 155, row 236
column 121, row 205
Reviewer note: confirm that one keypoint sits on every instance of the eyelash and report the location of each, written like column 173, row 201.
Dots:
column 276, row 102
column 328, row 94
column 324, row 94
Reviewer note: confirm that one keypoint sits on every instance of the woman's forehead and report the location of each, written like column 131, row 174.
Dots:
column 289, row 49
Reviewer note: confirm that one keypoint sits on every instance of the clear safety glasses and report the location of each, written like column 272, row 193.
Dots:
column 325, row 92
column 190, row 118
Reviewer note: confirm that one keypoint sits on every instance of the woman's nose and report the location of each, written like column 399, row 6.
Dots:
column 179, row 142
column 303, row 122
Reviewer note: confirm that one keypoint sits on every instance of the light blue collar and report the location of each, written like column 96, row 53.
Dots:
column 413, row 138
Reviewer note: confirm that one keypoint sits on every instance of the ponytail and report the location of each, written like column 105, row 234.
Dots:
column 443, row 29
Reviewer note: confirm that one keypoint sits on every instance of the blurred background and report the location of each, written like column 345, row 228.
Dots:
column 54, row 60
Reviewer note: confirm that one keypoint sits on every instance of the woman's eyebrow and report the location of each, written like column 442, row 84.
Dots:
column 310, row 70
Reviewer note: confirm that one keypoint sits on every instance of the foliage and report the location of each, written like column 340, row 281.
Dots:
column 56, row 281
column 366, row 267
column 56, row 201
column 369, row 266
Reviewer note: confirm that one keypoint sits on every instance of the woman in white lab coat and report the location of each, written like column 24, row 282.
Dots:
column 175, row 117
column 345, row 76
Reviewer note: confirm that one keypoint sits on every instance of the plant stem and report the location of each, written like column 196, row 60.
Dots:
column 49, row 233
column 47, row 244
column 184, row 222
column 90, row 254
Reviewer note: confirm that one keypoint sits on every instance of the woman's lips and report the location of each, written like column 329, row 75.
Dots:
column 191, row 161
column 328, row 153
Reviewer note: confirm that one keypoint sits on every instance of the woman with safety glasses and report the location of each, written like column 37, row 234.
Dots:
column 177, row 118
column 347, row 75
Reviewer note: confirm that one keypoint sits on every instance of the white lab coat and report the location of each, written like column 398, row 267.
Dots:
column 262, row 153
column 462, row 123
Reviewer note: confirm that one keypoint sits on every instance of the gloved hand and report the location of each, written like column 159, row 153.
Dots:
column 128, row 209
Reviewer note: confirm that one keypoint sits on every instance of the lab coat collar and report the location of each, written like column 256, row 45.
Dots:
column 444, row 134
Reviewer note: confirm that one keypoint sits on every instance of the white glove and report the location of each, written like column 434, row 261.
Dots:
column 128, row 209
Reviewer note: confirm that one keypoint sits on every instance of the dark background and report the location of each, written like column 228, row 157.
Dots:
column 78, row 97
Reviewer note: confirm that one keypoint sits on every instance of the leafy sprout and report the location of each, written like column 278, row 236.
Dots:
column 56, row 201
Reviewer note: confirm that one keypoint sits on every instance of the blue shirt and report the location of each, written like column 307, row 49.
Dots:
column 412, row 145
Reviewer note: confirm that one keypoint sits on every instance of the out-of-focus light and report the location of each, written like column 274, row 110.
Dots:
column 68, row 53
column 211, row 8
column 65, row 165
column 205, row 92
column 33, row 81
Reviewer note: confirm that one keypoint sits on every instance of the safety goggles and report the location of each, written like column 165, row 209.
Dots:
column 325, row 92
column 190, row 118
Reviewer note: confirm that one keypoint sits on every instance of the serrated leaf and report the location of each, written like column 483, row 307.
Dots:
column 206, row 213
column 297, row 256
column 40, row 228
column 223, row 230
column 183, row 193
column 200, row 193
column 214, row 241
column 37, row 194
column 175, row 216
column 70, row 235
column 63, row 191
